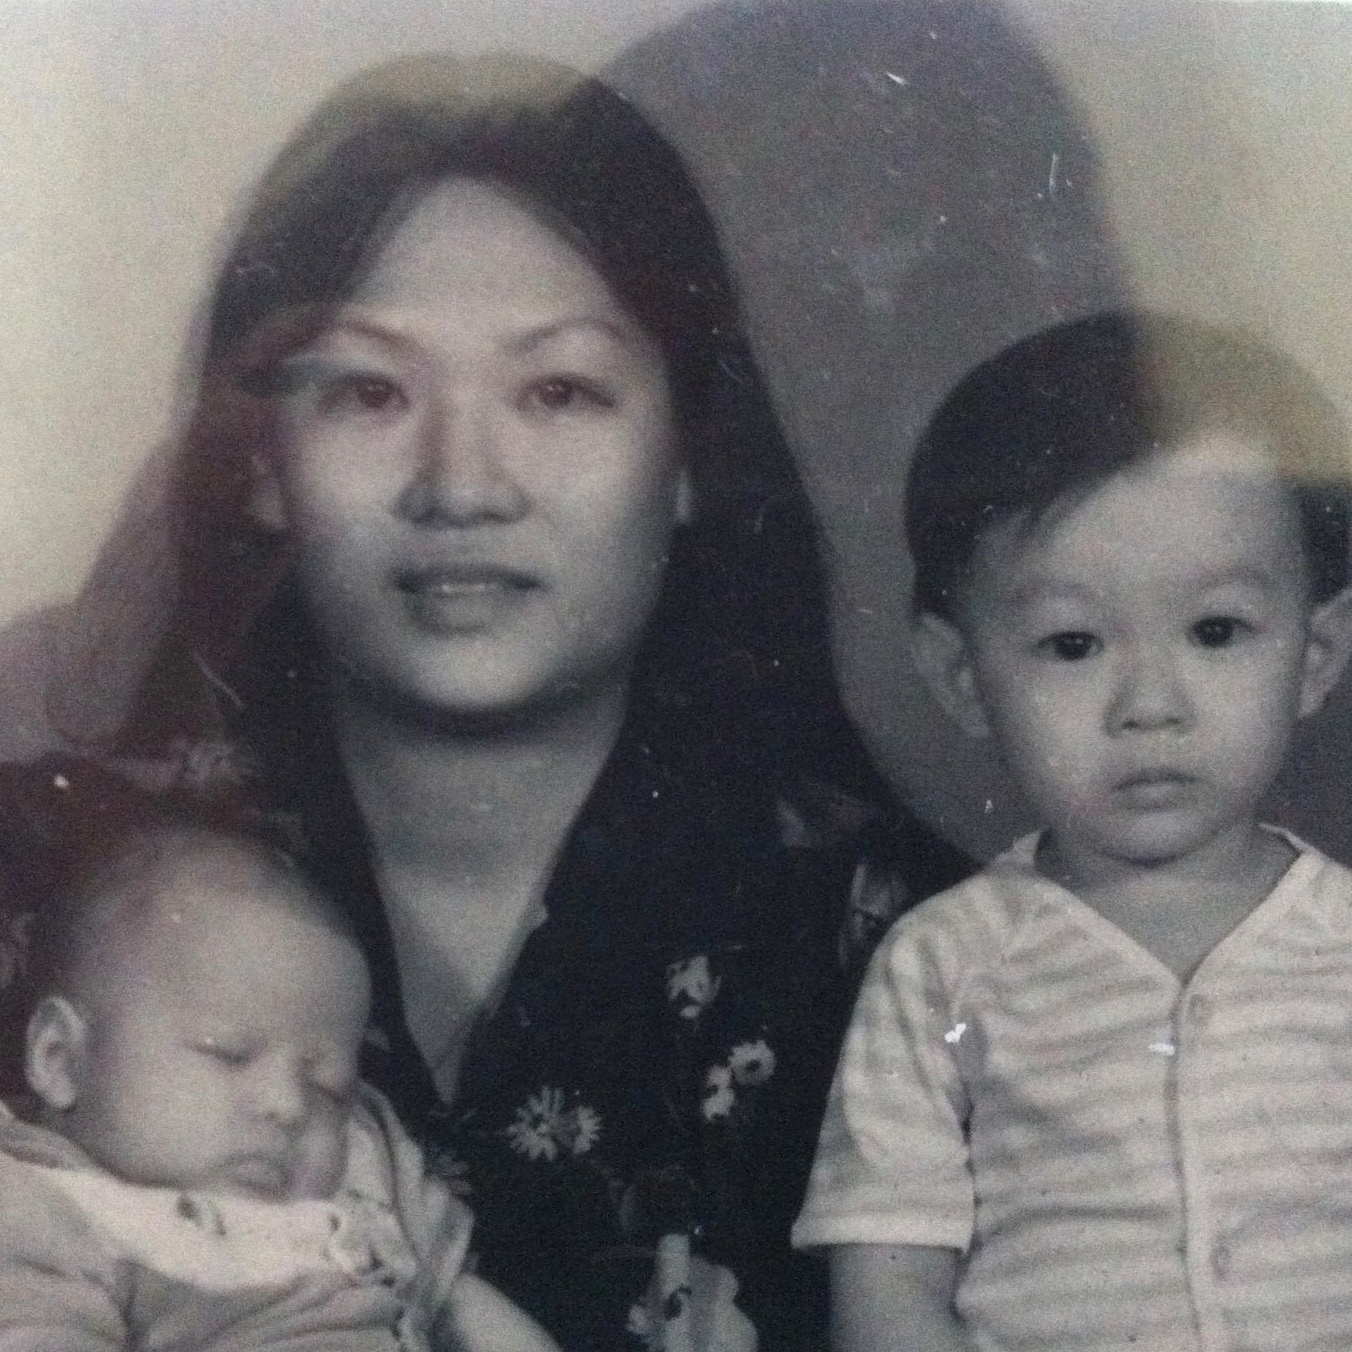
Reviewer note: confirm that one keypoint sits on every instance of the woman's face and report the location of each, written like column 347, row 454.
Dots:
column 477, row 468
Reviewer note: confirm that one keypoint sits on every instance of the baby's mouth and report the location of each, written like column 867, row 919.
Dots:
column 263, row 1176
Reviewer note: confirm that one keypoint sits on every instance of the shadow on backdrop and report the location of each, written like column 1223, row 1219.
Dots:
column 904, row 189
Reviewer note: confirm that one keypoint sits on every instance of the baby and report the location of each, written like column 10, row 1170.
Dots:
column 1100, row 1096
column 197, row 1165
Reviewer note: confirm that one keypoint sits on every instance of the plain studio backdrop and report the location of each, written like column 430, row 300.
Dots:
column 902, row 186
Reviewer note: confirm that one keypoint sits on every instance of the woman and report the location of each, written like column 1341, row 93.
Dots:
column 495, row 577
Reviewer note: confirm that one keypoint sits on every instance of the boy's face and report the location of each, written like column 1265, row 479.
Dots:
column 223, row 1038
column 1143, row 656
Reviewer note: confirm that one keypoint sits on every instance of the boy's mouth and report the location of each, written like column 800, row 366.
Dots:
column 1156, row 788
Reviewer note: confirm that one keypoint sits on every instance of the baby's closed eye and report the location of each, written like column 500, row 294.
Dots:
column 236, row 1053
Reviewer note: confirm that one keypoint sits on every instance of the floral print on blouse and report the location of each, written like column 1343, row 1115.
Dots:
column 661, row 1057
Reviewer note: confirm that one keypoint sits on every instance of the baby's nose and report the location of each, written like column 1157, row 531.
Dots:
column 281, row 1096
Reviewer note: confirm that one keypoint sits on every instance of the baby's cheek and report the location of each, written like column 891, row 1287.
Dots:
column 323, row 1158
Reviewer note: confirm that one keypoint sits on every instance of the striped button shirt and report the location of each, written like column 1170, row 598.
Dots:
column 1124, row 1159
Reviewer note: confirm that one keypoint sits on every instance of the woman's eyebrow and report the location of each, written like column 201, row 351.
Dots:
column 355, row 324
column 535, row 337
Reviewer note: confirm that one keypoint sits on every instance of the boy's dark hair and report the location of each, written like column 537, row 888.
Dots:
column 1055, row 416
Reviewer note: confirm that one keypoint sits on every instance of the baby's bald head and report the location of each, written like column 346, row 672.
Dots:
column 151, row 886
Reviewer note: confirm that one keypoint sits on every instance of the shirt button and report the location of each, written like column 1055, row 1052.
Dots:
column 1221, row 1259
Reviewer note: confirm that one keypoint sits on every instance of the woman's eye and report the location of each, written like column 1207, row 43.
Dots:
column 1217, row 631
column 559, row 393
column 361, row 394
column 1073, row 645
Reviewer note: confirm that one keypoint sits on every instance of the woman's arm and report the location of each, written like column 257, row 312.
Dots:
column 895, row 1298
column 477, row 1317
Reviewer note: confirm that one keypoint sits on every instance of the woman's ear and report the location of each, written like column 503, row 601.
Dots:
column 1328, row 645
column 265, row 507
column 58, row 1038
column 944, row 660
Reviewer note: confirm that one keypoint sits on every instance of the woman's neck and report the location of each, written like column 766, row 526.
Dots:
column 478, row 802
column 465, row 829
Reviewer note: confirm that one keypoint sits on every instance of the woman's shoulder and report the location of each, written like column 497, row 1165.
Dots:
column 893, row 860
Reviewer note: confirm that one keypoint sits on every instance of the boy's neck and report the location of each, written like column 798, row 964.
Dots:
column 1177, row 909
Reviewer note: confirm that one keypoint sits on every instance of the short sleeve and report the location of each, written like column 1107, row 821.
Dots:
column 892, row 1160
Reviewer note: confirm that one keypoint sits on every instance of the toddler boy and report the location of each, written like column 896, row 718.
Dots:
column 1100, row 1096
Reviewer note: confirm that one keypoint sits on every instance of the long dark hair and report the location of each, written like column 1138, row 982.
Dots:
column 740, row 635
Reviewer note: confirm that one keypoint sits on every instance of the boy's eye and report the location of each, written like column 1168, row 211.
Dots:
column 557, row 393
column 1217, row 631
column 1072, row 645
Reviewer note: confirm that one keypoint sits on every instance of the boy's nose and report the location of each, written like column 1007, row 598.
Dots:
column 459, row 475
column 1151, row 694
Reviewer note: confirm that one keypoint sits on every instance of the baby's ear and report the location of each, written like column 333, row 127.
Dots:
column 58, row 1037
column 944, row 660
column 1328, row 645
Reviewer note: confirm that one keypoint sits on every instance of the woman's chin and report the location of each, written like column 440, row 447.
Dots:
column 490, row 703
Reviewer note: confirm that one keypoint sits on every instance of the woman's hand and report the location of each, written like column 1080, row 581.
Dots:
column 477, row 1317
column 691, row 1304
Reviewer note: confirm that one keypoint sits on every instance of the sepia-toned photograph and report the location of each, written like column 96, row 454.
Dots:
column 733, row 616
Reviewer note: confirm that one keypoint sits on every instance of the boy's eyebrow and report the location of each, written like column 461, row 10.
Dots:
column 1242, row 574
column 1036, row 589
column 1044, row 589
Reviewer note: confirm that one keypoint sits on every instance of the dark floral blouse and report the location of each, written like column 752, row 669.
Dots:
column 660, row 1058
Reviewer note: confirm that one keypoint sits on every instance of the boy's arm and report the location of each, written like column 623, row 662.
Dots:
column 895, row 1298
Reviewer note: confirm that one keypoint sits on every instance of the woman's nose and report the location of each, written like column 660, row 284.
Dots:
column 459, row 474
column 1151, row 693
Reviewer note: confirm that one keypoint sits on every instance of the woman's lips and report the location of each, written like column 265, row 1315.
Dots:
column 458, row 598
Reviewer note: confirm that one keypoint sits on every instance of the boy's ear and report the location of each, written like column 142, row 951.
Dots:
column 58, row 1037
column 1328, row 645
column 265, row 507
column 945, row 662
